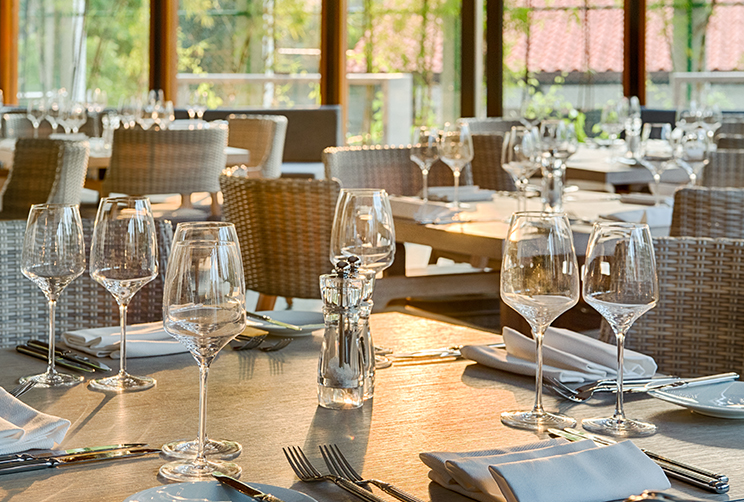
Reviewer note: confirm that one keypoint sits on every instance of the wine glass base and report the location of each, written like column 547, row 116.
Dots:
column 460, row 206
column 214, row 449
column 122, row 383
column 190, row 470
column 625, row 427
column 536, row 421
column 54, row 380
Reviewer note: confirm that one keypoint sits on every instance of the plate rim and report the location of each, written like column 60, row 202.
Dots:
column 262, row 486
column 703, row 409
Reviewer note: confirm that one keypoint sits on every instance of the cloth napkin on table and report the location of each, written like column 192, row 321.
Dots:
column 143, row 340
column 567, row 356
column 548, row 471
column 23, row 428
column 466, row 193
column 413, row 208
column 653, row 216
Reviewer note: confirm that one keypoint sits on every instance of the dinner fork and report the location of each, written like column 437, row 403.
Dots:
column 23, row 388
column 251, row 343
column 338, row 465
column 309, row 474
column 277, row 346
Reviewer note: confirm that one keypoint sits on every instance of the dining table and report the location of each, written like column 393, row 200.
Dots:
column 267, row 401
column 594, row 164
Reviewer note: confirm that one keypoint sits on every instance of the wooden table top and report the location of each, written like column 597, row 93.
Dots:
column 268, row 400
column 591, row 165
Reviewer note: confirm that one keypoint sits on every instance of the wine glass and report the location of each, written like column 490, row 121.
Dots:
column 53, row 110
column 203, row 308
column 620, row 282
column 612, row 121
column 657, row 152
column 75, row 116
column 711, row 118
column 456, row 150
column 424, row 153
column 530, row 112
column 35, row 114
column 53, row 256
column 519, row 158
column 130, row 109
column 123, row 258
column 363, row 227
column 207, row 231
column 692, row 153
column 540, row 280
column 557, row 142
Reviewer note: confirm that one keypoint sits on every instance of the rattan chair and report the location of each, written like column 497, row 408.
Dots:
column 486, row 163
column 491, row 125
column 388, row 167
column 83, row 304
column 16, row 125
column 695, row 328
column 731, row 126
column 44, row 171
column 284, row 229
column 263, row 136
column 725, row 169
column 730, row 141
column 708, row 212
column 167, row 162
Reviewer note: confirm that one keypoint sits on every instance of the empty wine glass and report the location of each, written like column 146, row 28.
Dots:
column 692, row 152
column 130, row 110
column 557, row 142
column 620, row 282
column 530, row 112
column 123, row 258
column 53, row 256
column 74, row 116
column 612, row 122
column 540, row 280
column 657, row 152
column 520, row 158
column 203, row 308
column 35, row 114
column 456, row 150
column 53, row 110
column 711, row 118
column 424, row 152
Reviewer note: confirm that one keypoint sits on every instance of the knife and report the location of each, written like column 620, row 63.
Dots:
column 24, row 457
column 245, row 488
column 440, row 352
column 273, row 321
column 49, row 462
column 70, row 356
column 690, row 382
column 41, row 354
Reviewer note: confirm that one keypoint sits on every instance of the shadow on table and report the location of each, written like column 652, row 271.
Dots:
column 438, row 493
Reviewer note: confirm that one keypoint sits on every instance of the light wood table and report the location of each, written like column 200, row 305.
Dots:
column 591, row 165
column 268, row 400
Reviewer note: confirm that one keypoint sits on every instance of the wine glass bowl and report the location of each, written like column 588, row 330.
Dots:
column 620, row 282
column 424, row 152
column 456, row 150
column 520, row 158
column 657, row 151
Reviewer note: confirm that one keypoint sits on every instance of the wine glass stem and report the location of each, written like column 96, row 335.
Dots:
column 202, row 438
column 538, row 335
column 425, row 192
column 123, row 344
column 457, row 186
column 51, row 363
column 657, row 183
column 36, row 131
column 619, row 413
column 522, row 195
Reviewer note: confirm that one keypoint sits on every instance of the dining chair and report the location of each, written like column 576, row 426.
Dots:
column 284, row 229
column 486, row 163
column 83, row 304
column 730, row 141
column 44, row 171
column 16, row 125
column 491, row 125
column 708, row 212
column 731, row 126
column 167, row 162
column 263, row 136
column 695, row 327
column 725, row 169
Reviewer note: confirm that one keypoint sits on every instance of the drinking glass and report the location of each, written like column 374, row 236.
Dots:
column 711, row 118
column 75, row 116
column 123, row 258
column 530, row 112
column 424, row 152
column 130, row 110
column 456, row 150
column 203, row 308
column 53, row 110
column 35, row 114
column 657, row 152
column 53, row 256
column 612, row 121
column 557, row 142
column 692, row 153
column 540, row 280
column 205, row 231
column 520, row 158
column 620, row 282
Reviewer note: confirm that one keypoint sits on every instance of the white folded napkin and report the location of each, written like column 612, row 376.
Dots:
column 653, row 216
column 143, row 340
column 23, row 428
column 465, row 193
column 553, row 470
column 414, row 208
column 567, row 356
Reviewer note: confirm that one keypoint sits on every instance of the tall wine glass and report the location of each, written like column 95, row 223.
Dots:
column 692, row 153
column 75, row 116
column 620, row 282
column 612, row 121
column 657, row 152
column 456, row 150
column 206, row 231
column 203, row 308
column 35, row 114
column 520, row 158
column 540, row 280
column 123, row 258
column 424, row 152
column 53, row 256
column 558, row 142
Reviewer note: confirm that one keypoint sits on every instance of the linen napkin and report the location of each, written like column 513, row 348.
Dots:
column 653, row 216
column 143, row 340
column 568, row 356
column 413, row 208
column 23, row 428
column 466, row 193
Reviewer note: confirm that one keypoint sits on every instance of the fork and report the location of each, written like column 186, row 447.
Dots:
column 251, row 343
column 277, row 346
column 338, row 465
column 309, row 474
column 23, row 388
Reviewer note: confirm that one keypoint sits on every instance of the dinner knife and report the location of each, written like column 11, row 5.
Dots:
column 245, row 488
column 41, row 354
column 440, row 352
column 272, row 321
column 70, row 356
column 23, row 457
column 49, row 462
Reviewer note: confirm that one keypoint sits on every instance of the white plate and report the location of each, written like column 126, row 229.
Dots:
column 721, row 400
column 212, row 491
column 313, row 320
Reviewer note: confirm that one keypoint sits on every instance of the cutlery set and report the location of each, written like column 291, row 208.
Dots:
column 66, row 358
column 22, row 462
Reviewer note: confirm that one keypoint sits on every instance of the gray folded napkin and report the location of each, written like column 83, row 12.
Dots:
column 23, row 428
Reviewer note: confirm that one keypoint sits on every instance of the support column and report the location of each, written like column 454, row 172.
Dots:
column 163, row 47
column 494, row 58
column 9, row 51
column 634, row 67
column 333, row 40
column 471, row 57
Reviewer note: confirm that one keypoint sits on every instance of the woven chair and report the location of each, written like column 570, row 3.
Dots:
column 730, row 141
column 731, row 126
column 83, row 304
column 44, row 171
column 491, row 125
column 708, row 212
column 263, row 136
column 695, row 328
column 16, row 125
column 167, row 162
column 388, row 167
column 284, row 229
column 486, row 164
column 725, row 169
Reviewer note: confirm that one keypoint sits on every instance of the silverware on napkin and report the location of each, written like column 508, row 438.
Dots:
column 50, row 462
column 245, row 488
column 45, row 454
column 70, row 356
